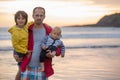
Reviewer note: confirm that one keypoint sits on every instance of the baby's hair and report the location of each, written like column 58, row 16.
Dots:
column 58, row 29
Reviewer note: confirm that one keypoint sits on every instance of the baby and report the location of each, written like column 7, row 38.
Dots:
column 51, row 42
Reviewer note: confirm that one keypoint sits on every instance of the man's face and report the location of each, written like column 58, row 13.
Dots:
column 38, row 16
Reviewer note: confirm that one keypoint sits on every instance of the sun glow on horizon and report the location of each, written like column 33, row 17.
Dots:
column 58, row 13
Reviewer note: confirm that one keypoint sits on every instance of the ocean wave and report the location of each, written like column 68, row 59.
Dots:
column 93, row 46
column 75, row 36
column 67, row 36
column 72, row 47
column 6, row 48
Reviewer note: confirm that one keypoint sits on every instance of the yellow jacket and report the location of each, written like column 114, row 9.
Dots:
column 19, row 39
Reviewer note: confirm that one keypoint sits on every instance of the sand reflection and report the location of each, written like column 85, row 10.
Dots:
column 79, row 64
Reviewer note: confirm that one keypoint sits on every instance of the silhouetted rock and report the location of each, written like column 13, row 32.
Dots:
column 110, row 20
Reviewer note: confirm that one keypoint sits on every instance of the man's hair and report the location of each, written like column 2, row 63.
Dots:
column 23, row 13
column 38, row 8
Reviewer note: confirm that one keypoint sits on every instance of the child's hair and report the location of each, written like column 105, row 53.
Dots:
column 23, row 13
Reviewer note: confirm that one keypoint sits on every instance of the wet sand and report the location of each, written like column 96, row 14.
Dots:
column 79, row 64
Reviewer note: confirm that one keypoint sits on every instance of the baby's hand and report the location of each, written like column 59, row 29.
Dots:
column 44, row 47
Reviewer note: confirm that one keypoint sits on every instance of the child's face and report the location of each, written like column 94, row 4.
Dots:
column 21, row 21
column 55, row 34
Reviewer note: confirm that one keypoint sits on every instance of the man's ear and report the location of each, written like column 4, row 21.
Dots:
column 44, row 17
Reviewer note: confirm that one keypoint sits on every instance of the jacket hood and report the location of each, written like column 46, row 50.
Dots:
column 12, row 29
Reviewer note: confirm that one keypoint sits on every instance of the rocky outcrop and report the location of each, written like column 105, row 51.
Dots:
column 110, row 20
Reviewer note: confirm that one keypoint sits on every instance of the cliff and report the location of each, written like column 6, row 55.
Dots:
column 110, row 20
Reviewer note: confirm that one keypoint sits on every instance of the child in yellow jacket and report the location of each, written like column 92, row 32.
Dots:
column 19, row 37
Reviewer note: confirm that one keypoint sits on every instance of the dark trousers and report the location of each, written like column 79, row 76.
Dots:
column 20, row 56
column 44, row 52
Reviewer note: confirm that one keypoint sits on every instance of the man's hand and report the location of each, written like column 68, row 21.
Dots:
column 16, row 57
column 49, row 54
column 29, row 53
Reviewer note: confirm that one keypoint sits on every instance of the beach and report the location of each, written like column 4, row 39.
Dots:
column 89, row 64
column 91, row 54
column 78, row 64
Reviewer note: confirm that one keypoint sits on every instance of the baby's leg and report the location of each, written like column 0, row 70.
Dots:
column 62, row 55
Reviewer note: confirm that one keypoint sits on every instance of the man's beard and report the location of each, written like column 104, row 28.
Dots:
column 38, row 22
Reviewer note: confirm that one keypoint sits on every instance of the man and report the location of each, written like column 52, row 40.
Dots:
column 37, row 32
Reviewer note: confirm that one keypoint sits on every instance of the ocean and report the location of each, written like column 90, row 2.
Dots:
column 92, row 53
column 77, row 37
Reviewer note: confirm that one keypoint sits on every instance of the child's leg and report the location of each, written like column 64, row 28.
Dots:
column 17, row 77
column 41, row 66
column 16, row 56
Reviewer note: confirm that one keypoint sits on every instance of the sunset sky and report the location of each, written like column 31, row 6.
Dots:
column 60, row 12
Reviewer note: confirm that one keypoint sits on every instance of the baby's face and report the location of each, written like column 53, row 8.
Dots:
column 55, row 34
